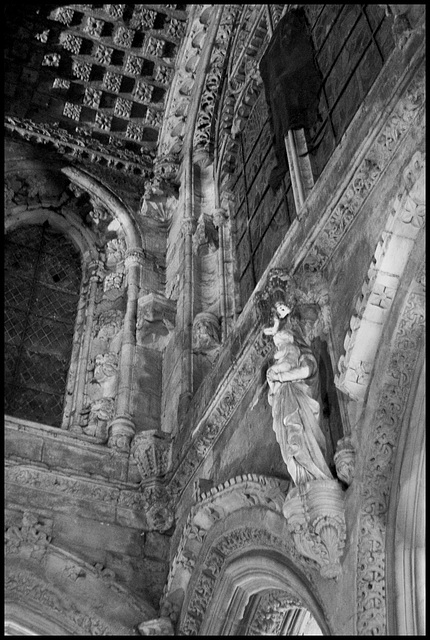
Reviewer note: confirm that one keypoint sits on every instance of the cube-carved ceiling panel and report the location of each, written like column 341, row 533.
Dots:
column 104, row 69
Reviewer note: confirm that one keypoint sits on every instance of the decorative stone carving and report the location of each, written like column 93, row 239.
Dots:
column 315, row 515
column 115, row 280
column 212, row 566
column 109, row 324
column 152, row 452
column 377, row 474
column 269, row 616
column 115, row 251
column 368, row 173
column 206, row 334
column 159, row 208
column 344, row 460
column 31, row 535
column 97, row 418
column 83, row 147
column 157, row 627
column 382, row 282
column 103, row 383
column 213, row 505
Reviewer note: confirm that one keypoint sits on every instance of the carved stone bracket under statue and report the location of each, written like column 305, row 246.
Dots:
column 152, row 452
column 316, row 519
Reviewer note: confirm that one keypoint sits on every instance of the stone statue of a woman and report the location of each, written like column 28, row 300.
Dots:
column 293, row 395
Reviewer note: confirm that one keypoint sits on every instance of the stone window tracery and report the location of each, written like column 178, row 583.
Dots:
column 42, row 288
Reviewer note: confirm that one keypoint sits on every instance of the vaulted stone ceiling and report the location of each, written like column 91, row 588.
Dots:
column 92, row 81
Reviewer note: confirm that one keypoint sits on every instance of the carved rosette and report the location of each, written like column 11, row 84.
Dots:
column 344, row 459
column 152, row 452
column 316, row 519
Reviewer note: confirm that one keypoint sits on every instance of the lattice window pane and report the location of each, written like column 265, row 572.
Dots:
column 17, row 291
column 41, row 296
column 15, row 322
column 34, row 405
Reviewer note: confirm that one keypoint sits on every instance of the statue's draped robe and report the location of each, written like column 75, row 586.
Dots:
column 296, row 423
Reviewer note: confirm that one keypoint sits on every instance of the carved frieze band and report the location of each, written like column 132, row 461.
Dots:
column 83, row 148
column 151, row 502
column 377, row 479
column 404, row 225
column 369, row 171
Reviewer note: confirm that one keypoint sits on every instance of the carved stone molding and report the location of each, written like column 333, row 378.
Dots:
column 82, row 148
column 315, row 514
column 151, row 503
column 372, row 309
column 381, row 150
column 216, row 559
column 270, row 614
column 71, row 602
column 377, row 476
column 203, row 131
column 213, row 506
column 152, row 451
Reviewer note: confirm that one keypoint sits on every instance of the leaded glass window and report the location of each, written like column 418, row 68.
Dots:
column 42, row 287
column 262, row 214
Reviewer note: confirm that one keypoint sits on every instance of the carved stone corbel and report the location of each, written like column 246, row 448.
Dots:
column 315, row 514
column 344, row 459
column 152, row 452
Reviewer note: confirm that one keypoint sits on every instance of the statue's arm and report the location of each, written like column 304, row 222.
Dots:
column 285, row 374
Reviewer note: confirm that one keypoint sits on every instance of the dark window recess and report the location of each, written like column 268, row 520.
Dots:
column 42, row 285
column 352, row 43
column 292, row 82
column 263, row 214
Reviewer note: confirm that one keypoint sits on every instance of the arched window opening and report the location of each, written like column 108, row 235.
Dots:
column 42, row 287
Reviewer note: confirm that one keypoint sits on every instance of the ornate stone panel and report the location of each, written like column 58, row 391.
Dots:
column 376, row 483
column 372, row 309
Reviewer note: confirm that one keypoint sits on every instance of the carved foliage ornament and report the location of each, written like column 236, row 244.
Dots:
column 31, row 535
